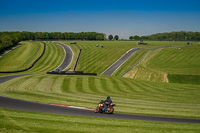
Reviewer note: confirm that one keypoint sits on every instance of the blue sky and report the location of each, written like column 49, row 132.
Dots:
column 121, row 17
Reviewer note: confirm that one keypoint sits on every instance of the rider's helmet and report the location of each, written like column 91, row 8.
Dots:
column 108, row 97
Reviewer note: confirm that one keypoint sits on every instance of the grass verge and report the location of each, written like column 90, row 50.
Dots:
column 23, row 122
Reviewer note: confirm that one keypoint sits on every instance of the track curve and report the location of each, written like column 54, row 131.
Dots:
column 68, row 56
column 17, row 104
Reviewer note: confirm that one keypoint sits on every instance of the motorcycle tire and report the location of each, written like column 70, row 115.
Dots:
column 96, row 110
column 110, row 111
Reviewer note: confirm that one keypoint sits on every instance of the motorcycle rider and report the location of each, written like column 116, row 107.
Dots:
column 108, row 100
column 106, row 103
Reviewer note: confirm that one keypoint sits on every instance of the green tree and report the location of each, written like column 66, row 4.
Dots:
column 116, row 37
column 110, row 37
column 100, row 37
column 131, row 38
column 136, row 37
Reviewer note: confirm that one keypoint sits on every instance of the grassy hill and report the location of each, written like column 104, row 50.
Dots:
column 183, row 60
column 133, row 96
column 22, row 57
column 96, row 59
column 181, row 64
column 51, row 59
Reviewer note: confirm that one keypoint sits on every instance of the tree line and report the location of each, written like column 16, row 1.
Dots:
column 8, row 39
column 170, row 36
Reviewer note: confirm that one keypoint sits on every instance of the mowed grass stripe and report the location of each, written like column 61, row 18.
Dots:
column 50, row 61
column 22, row 57
column 72, row 85
column 116, row 86
column 98, row 85
column 104, row 85
column 79, row 84
column 44, row 61
column 177, row 61
column 121, row 85
column 57, row 85
column 52, row 58
column 86, row 85
column 65, row 84
column 128, row 86
column 92, row 85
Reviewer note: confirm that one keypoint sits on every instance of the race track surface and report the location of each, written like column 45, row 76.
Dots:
column 46, row 108
column 120, row 61
column 6, row 78
column 68, row 56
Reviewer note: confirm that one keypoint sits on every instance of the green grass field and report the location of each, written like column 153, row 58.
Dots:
column 185, row 60
column 173, row 61
column 23, row 122
column 52, row 58
column 96, row 60
column 132, row 96
column 22, row 57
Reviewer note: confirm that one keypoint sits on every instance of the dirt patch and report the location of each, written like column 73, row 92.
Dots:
column 166, row 78
column 131, row 74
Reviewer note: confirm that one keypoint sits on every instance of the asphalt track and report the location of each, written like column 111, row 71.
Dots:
column 4, row 79
column 120, row 61
column 68, row 56
column 17, row 104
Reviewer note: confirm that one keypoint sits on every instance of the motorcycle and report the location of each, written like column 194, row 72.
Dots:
column 105, row 108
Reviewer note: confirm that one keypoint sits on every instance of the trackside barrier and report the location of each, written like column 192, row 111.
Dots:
column 73, row 73
column 67, row 70
column 31, row 65
column 77, row 60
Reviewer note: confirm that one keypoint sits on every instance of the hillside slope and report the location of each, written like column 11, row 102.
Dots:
column 173, row 61
column 22, row 57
